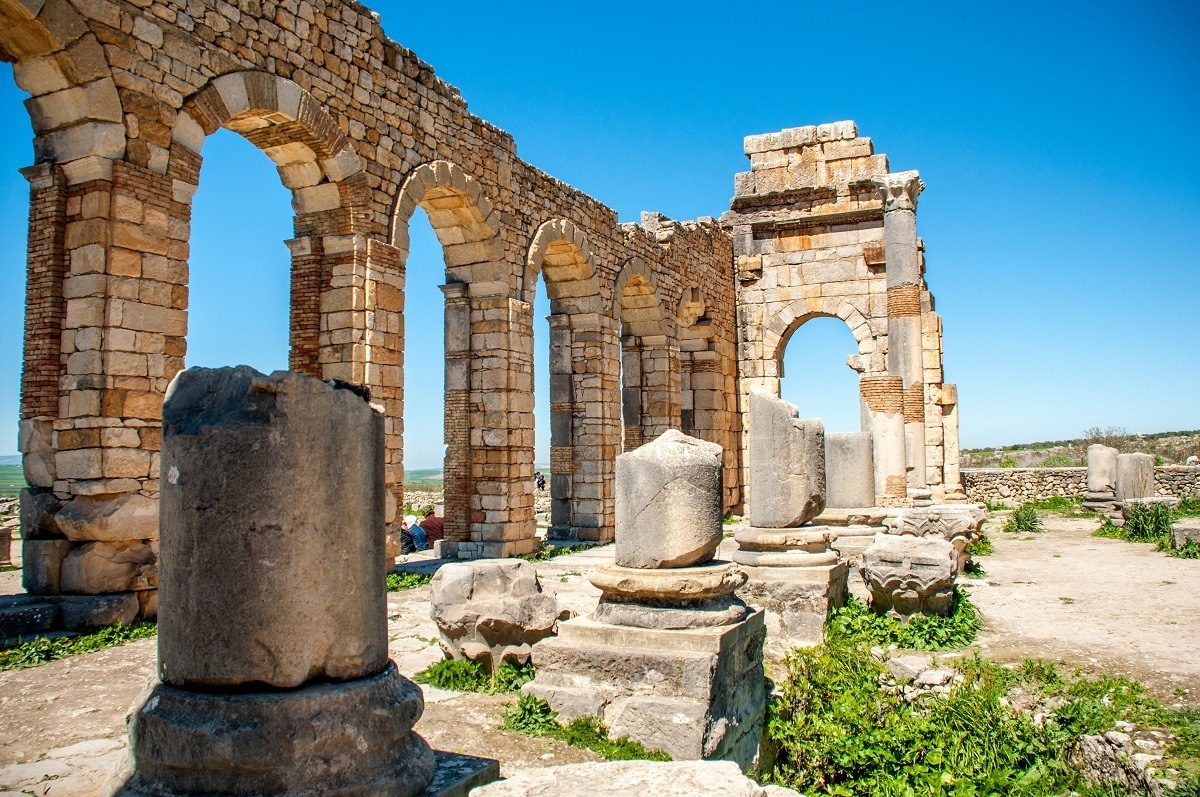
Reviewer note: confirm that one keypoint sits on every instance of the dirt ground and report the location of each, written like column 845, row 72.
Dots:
column 1097, row 604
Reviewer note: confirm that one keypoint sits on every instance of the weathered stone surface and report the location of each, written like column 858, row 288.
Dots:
column 849, row 470
column 787, row 464
column 957, row 525
column 109, row 518
column 41, row 565
column 907, row 575
column 272, row 531
column 1135, row 476
column 698, row 582
column 491, row 611
column 671, row 615
column 350, row 738
column 796, row 602
column 637, row 681
column 23, row 615
column 1185, row 529
column 669, row 502
column 35, row 440
column 86, row 612
column 38, row 508
column 96, row 568
column 635, row 779
column 1101, row 469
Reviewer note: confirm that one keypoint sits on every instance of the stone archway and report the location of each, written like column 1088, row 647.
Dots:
column 560, row 253
column 649, row 356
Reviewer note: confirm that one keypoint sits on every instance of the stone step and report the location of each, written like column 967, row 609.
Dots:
column 26, row 615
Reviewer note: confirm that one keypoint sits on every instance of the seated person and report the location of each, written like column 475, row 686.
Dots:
column 433, row 526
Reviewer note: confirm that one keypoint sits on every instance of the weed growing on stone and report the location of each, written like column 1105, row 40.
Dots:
column 840, row 731
column 9, row 568
column 981, row 547
column 463, row 675
column 533, row 717
column 996, row 506
column 546, row 552
column 856, row 624
column 1024, row 520
column 398, row 582
column 43, row 650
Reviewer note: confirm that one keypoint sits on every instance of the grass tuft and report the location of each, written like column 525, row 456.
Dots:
column 398, row 582
column 533, row 717
column 855, row 624
column 1024, row 520
column 464, row 675
column 981, row 547
column 546, row 552
column 42, row 650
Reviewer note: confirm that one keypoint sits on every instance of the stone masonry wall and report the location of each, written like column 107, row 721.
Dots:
column 1032, row 484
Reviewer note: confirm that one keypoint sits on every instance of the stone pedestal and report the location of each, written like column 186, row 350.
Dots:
column 1101, row 495
column 796, row 577
column 694, row 693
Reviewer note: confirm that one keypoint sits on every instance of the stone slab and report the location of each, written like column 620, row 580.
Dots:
column 849, row 469
column 635, row 779
column 712, row 580
column 796, row 602
column 459, row 774
column 786, row 463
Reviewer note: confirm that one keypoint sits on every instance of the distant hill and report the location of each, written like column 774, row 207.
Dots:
column 1168, row 448
column 11, row 459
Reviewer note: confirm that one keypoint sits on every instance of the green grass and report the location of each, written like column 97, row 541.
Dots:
column 463, row 675
column 12, row 480
column 1189, row 506
column 1067, row 506
column 981, row 547
column 974, row 570
column 547, row 552
column 838, row 732
column 855, row 624
column 1024, row 520
column 1151, row 523
column 42, row 650
column 398, row 582
column 533, row 717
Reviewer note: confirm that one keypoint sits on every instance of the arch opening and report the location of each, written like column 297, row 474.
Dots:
column 815, row 375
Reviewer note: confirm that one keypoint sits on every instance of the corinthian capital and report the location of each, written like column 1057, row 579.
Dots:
column 899, row 189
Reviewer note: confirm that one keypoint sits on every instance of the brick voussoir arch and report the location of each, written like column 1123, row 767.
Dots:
column 779, row 329
column 653, row 320
column 561, row 254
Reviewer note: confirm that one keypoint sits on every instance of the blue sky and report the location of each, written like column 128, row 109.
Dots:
column 1055, row 139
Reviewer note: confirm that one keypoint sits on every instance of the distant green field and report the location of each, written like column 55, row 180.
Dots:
column 431, row 478
column 12, row 479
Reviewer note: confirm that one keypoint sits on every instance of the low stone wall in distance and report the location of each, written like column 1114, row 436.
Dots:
column 1032, row 484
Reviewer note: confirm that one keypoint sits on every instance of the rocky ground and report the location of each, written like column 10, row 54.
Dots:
column 1097, row 604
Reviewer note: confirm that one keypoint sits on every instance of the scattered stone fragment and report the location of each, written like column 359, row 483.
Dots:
column 910, row 575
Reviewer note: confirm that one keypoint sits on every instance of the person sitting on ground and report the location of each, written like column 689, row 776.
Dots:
column 433, row 526
column 419, row 538
column 407, row 545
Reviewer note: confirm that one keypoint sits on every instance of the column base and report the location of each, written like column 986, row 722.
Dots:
column 348, row 739
column 696, row 694
column 796, row 601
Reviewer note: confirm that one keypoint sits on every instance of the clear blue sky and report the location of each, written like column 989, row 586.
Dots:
column 1061, row 213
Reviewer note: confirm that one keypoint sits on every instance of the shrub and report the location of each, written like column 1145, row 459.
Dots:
column 856, row 624
column 398, row 582
column 981, row 547
column 1147, row 522
column 42, row 650
column 1189, row 506
column 974, row 570
column 1008, row 462
column 464, row 675
column 1069, row 506
column 1024, row 520
column 533, row 717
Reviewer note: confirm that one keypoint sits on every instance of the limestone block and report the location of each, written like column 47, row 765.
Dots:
column 957, row 525
column 109, row 518
column 272, row 531
column 787, row 464
column 97, row 568
column 41, row 565
column 491, row 611
column 329, row 738
column 1101, row 469
column 635, row 779
column 38, row 518
column 1185, row 529
column 669, row 502
column 1135, row 476
column 849, row 470
column 35, row 440
column 910, row 575
column 796, row 602
column 86, row 612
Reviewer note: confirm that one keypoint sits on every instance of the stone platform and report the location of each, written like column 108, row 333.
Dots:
column 694, row 693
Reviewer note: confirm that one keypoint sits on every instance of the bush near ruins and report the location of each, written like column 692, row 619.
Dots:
column 42, row 650
column 1024, row 520
column 1152, row 523
column 855, row 624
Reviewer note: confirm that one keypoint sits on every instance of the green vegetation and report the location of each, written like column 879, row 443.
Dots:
column 463, row 675
column 1189, row 506
column 1067, row 506
column 42, row 650
column 996, row 506
column 1024, row 520
column 1060, row 461
column 981, row 547
column 533, row 717
column 838, row 732
column 1150, row 523
column 545, row 551
column 1008, row 462
column 855, row 624
column 974, row 570
column 12, row 480
column 398, row 582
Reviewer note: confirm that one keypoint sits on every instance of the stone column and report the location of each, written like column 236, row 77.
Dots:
column 1101, row 495
column 562, row 455
column 883, row 395
column 457, row 466
column 631, row 392
column 273, row 621
column 900, row 191
column 952, row 454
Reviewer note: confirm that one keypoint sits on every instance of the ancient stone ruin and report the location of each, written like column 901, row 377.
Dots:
column 272, row 646
column 669, row 637
column 794, row 574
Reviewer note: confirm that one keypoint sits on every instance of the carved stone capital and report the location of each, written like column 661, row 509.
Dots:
column 899, row 189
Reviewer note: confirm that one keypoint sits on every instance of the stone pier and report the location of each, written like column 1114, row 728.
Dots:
column 272, row 645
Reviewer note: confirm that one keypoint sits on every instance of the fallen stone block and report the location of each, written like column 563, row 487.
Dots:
column 910, row 575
